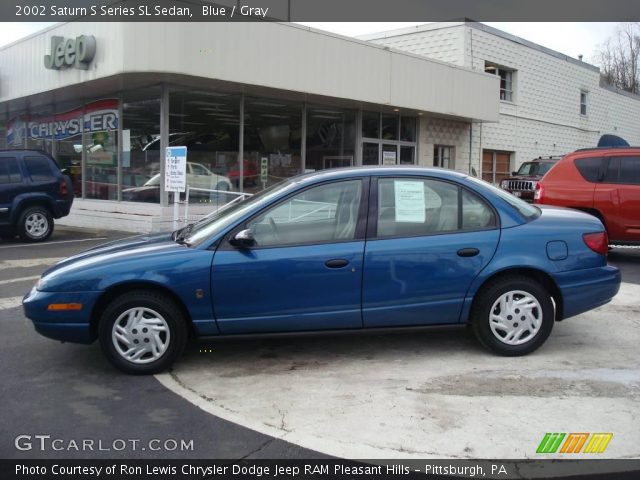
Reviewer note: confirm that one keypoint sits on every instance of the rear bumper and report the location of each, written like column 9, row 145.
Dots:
column 584, row 290
column 63, row 207
column 66, row 326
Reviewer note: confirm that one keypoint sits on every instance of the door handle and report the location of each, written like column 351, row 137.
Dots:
column 468, row 252
column 336, row 263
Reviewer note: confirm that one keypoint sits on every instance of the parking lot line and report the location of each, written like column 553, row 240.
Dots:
column 51, row 243
column 29, row 262
column 21, row 279
column 10, row 302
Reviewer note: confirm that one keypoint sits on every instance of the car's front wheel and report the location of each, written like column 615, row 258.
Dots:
column 513, row 315
column 142, row 332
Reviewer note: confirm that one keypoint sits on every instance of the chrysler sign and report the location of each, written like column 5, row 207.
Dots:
column 76, row 52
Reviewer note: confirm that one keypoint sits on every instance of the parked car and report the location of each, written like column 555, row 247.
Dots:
column 198, row 176
column 347, row 249
column 249, row 174
column 33, row 192
column 604, row 182
column 523, row 182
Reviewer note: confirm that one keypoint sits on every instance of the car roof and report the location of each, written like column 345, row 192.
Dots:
column 349, row 172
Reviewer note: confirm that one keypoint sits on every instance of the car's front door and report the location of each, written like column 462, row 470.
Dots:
column 304, row 271
column 427, row 240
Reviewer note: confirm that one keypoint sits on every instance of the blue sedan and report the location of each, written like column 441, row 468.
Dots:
column 348, row 249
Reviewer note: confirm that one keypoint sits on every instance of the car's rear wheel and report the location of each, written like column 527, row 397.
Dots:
column 142, row 332
column 35, row 224
column 513, row 315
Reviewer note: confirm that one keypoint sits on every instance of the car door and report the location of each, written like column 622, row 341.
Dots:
column 304, row 271
column 617, row 197
column 427, row 240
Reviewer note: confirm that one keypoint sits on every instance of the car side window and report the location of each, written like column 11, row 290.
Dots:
column 630, row 170
column 612, row 170
column 326, row 213
column 197, row 169
column 9, row 170
column 476, row 214
column 414, row 207
column 590, row 168
column 410, row 207
column 39, row 169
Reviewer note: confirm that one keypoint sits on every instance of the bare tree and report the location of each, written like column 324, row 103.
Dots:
column 619, row 58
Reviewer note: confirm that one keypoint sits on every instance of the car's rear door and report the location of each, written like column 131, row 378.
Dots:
column 617, row 197
column 427, row 240
column 305, row 270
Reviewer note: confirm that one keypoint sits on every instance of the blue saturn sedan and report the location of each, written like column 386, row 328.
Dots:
column 348, row 249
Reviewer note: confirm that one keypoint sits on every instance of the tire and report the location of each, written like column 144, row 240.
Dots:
column 487, row 317
column 35, row 224
column 151, row 309
column 223, row 186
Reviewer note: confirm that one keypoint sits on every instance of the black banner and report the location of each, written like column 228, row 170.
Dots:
column 317, row 469
column 317, row 11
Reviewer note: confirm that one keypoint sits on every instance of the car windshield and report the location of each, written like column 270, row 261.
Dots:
column 525, row 209
column 225, row 216
column 534, row 168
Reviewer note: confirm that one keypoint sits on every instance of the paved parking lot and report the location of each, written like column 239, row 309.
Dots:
column 432, row 394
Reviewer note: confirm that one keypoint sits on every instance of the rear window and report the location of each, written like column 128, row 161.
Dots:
column 39, row 169
column 590, row 168
column 9, row 170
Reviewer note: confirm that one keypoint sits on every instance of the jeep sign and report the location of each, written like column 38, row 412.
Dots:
column 76, row 52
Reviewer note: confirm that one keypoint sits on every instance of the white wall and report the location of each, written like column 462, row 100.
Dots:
column 544, row 118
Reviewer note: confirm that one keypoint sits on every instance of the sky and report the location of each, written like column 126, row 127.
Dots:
column 571, row 39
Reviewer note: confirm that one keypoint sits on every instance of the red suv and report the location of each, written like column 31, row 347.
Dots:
column 602, row 181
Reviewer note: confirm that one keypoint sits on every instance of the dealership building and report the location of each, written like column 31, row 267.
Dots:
column 255, row 103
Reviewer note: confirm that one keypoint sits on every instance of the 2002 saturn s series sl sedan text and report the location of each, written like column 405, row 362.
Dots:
column 356, row 248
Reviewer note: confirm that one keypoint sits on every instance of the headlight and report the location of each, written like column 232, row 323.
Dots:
column 39, row 284
column 504, row 184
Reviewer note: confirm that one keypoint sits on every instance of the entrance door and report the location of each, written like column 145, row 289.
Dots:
column 495, row 165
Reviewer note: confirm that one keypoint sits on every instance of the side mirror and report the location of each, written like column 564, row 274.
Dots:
column 513, row 174
column 243, row 239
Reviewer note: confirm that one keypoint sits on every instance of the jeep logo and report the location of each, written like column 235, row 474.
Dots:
column 76, row 52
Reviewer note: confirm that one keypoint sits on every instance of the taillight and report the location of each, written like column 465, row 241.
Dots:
column 63, row 188
column 539, row 193
column 598, row 242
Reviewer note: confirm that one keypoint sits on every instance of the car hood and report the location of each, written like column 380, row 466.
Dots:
column 126, row 247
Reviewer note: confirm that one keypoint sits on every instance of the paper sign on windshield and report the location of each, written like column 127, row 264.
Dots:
column 409, row 201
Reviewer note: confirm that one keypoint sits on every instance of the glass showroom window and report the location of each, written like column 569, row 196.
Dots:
column 208, row 124
column 37, row 136
column 583, row 102
column 388, row 139
column 507, row 80
column 140, row 170
column 100, row 123
column 272, row 141
column 3, row 131
column 331, row 138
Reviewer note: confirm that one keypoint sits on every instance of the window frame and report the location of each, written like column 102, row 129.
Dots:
column 509, row 79
column 46, row 161
column 372, row 223
column 584, row 104
column 359, row 233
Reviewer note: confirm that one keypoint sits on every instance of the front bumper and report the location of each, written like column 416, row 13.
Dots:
column 66, row 325
column 584, row 290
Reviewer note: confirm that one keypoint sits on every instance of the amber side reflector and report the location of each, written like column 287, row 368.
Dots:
column 64, row 306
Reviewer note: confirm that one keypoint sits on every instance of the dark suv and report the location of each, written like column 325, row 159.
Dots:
column 33, row 191
column 523, row 182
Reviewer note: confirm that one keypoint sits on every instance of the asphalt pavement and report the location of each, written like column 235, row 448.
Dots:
column 70, row 393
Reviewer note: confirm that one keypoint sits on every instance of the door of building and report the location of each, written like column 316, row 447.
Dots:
column 495, row 165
